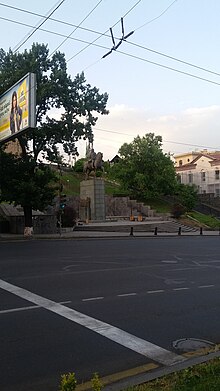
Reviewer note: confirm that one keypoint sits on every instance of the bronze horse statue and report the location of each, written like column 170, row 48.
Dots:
column 93, row 165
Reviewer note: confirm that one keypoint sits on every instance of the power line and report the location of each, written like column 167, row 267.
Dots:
column 157, row 17
column 51, row 32
column 173, row 58
column 104, row 34
column 91, row 43
column 43, row 17
column 164, row 141
column 118, row 51
column 52, row 19
column 127, row 54
column 37, row 28
column 170, row 68
column 76, row 28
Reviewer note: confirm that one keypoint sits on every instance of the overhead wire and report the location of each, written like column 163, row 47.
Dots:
column 131, row 43
column 42, row 17
column 93, row 9
column 173, row 58
column 51, row 19
column 37, row 28
column 163, row 141
column 102, row 34
column 118, row 51
column 167, row 67
column 50, row 32
column 157, row 17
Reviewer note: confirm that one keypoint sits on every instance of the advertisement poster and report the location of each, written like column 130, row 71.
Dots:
column 17, row 108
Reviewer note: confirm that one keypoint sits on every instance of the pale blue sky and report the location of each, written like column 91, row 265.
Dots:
column 142, row 97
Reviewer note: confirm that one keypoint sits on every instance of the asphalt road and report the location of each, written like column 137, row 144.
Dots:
column 104, row 306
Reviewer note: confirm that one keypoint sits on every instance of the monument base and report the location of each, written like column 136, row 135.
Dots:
column 92, row 200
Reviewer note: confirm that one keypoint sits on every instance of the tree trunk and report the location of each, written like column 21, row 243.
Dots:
column 28, row 226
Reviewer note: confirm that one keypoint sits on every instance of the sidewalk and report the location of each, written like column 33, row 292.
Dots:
column 117, row 229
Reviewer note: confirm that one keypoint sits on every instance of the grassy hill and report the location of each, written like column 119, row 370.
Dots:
column 71, row 184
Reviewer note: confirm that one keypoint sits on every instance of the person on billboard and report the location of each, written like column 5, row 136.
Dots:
column 15, row 115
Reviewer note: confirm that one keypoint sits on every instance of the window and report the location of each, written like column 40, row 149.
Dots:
column 216, row 174
column 178, row 177
column 190, row 178
column 217, row 192
column 180, row 162
column 203, row 176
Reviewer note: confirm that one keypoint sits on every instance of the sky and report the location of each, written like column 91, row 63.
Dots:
column 145, row 95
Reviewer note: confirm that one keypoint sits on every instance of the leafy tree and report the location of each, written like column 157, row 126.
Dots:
column 144, row 170
column 187, row 196
column 79, row 104
column 78, row 166
column 27, row 184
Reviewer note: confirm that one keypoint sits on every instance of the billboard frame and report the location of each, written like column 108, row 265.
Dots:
column 29, row 78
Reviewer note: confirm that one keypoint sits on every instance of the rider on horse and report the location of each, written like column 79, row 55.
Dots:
column 91, row 157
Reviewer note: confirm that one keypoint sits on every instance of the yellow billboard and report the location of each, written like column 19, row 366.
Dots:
column 18, row 108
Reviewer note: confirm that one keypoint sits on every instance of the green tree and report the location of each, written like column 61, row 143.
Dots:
column 78, row 166
column 144, row 170
column 78, row 102
column 187, row 195
column 26, row 183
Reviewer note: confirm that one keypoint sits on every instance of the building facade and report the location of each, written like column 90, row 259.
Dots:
column 201, row 169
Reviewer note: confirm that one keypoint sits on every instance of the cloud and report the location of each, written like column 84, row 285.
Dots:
column 181, row 131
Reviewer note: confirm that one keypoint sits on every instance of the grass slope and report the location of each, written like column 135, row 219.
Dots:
column 202, row 377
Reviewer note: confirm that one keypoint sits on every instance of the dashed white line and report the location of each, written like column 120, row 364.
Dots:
column 181, row 289
column 205, row 286
column 30, row 307
column 93, row 298
column 158, row 291
column 127, row 294
column 106, row 330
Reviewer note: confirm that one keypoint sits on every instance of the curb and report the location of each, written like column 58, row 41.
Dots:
column 153, row 371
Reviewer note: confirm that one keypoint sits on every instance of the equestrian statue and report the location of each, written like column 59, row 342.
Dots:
column 93, row 163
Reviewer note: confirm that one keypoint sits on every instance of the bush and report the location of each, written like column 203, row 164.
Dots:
column 68, row 216
column 78, row 167
column 68, row 382
column 96, row 382
column 177, row 211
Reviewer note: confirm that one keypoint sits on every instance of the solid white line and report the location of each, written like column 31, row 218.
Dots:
column 205, row 286
column 31, row 307
column 93, row 298
column 115, row 334
column 180, row 289
column 158, row 291
column 127, row 294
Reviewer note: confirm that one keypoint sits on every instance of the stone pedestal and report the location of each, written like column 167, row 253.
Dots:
column 92, row 199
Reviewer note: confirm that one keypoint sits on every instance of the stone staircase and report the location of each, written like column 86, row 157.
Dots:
column 169, row 226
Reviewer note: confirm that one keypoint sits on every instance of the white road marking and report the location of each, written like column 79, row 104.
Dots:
column 180, row 289
column 169, row 261
column 178, row 258
column 31, row 307
column 94, row 298
column 158, row 291
column 205, row 286
column 113, row 333
column 127, row 294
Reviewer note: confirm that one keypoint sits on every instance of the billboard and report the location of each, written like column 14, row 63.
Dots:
column 18, row 108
